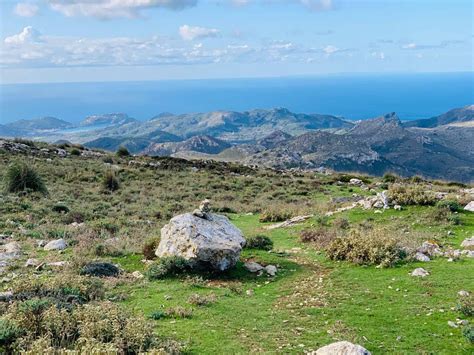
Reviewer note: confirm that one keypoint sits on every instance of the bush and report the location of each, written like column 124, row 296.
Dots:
column 274, row 216
column 411, row 195
column 100, row 269
column 466, row 305
column 373, row 248
column 60, row 208
column 76, row 152
column 451, row 205
column 319, row 237
column 122, row 152
column 110, row 182
column 21, row 177
column 149, row 248
column 167, row 266
column 390, row 177
column 178, row 312
column 341, row 223
column 259, row 242
column 202, row 300
column 468, row 332
column 9, row 332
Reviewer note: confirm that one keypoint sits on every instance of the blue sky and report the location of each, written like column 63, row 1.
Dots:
column 110, row 40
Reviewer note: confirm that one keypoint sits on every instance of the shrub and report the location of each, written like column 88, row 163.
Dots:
column 388, row 177
column 9, row 332
column 411, row 195
column 341, row 223
column 373, row 248
column 76, row 152
column 468, row 332
column 167, row 266
column 156, row 315
column 60, row 208
column 122, row 152
column 451, row 205
column 319, row 237
column 202, row 300
column 149, row 248
column 466, row 305
column 100, row 269
column 178, row 312
column 110, row 182
column 259, row 242
column 274, row 216
column 21, row 177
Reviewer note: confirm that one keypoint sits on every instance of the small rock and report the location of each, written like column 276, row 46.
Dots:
column 57, row 264
column 355, row 181
column 32, row 263
column 249, row 292
column 41, row 243
column 341, row 348
column 12, row 248
column 137, row 275
column 421, row 257
column 468, row 243
column 463, row 293
column 253, row 266
column 58, row 244
column 452, row 324
column 271, row 270
column 420, row 272
column 430, row 249
column 469, row 206
column 397, row 207
column 6, row 296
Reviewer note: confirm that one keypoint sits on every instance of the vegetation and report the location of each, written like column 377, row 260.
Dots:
column 322, row 292
column 21, row 177
column 122, row 152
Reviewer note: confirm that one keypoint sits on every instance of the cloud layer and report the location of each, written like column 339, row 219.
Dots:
column 190, row 33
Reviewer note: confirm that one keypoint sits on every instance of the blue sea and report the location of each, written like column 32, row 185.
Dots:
column 352, row 96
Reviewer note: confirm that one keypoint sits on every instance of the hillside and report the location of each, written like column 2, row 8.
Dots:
column 40, row 124
column 463, row 114
column 84, row 254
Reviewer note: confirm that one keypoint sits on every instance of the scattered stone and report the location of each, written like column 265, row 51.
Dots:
column 355, row 181
column 6, row 296
column 137, row 275
column 249, row 292
column 468, row 243
column 397, row 207
column 56, row 264
column 12, row 248
column 420, row 272
column 253, row 266
column 271, row 270
column 341, row 348
column 76, row 225
column 32, row 263
column 58, row 244
column 469, row 206
column 452, row 324
column 463, row 293
column 430, row 249
column 100, row 269
column 213, row 240
column 41, row 243
column 421, row 257
column 290, row 222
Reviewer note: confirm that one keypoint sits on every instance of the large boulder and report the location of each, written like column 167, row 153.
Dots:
column 469, row 206
column 58, row 244
column 210, row 239
column 342, row 348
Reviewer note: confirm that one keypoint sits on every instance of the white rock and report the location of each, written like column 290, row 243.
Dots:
column 12, row 248
column 32, row 263
column 41, row 243
column 463, row 293
column 137, row 275
column 58, row 244
column 421, row 257
column 452, row 324
column 6, row 296
column 468, row 243
column 430, row 249
column 420, row 272
column 249, row 292
column 354, row 181
column 271, row 270
column 397, row 207
column 469, row 206
column 253, row 266
column 58, row 264
column 213, row 240
column 341, row 348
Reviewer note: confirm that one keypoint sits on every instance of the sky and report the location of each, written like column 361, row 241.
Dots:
column 129, row 40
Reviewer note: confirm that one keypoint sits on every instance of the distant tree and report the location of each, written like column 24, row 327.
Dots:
column 21, row 177
column 110, row 182
column 123, row 152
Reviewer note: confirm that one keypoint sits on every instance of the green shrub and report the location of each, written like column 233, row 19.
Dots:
column 122, row 152
column 468, row 332
column 466, row 305
column 259, row 242
column 388, row 177
column 411, row 195
column 21, row 177
column 9, row 332
column 76, row 152
column 367, row 248
column 149, row 248
column 110, row 182
column 451, row 205
column 167, row 266
column 100, row 269
column 156, row 315
column 60, row 208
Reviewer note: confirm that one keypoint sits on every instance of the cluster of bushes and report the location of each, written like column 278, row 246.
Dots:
column 320, row 238
column 406, row 195
column 274, row 215
column 168, row 267
column 373, row 247
column 261, row 242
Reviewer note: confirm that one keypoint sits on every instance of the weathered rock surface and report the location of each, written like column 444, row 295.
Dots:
column 58, row 244
column 469, row 206
column 12, row 248
column 212, row 240
column 271, row 270
column 421, row 257
column 252, row 266
column 420, row 272
column 341, row 348
column 429, row 249
column 468, row 243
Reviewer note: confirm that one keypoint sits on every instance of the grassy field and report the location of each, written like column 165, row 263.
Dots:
column 311, row 302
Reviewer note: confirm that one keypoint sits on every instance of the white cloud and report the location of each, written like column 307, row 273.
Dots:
column 418, row 46
column 330, row 49
column 190, row 33
column 27, row 35
column 106, row 9
column 318, row 5
column 26, row 9
column 379, row 55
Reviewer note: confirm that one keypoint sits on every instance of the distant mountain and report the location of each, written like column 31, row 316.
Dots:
column 463, row 114
column 40, row 124
column 107, row 119
column 7, row 131
column 201, row 144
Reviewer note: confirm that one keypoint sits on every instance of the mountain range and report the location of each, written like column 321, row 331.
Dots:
column 439, row 147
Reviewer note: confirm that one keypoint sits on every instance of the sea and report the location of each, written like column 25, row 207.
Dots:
column 353, row 96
